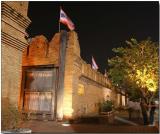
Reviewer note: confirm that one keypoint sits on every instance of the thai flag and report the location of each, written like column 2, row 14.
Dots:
column 66, row 20
column 105, row 73
column 94, row 65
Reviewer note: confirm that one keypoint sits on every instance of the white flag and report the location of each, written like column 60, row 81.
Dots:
column 94, row 65
column 105, row 73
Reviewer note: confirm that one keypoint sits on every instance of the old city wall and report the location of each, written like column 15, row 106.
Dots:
column 91, row 89
column 42, row 52
column 14, row 23
column 84, row 87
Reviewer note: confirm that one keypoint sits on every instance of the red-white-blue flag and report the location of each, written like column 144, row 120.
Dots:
column 66, row 20
column 105, row 73
column 94, row 65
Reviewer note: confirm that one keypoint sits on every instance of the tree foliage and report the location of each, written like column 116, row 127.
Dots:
column 135, row 68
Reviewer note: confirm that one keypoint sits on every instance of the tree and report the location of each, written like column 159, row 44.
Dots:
column 135, row 69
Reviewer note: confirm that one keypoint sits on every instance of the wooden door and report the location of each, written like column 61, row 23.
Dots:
column 39, row 90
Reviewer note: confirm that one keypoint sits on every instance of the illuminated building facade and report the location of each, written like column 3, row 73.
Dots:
column 47, row 79
column 14, row 21
column 57, row 82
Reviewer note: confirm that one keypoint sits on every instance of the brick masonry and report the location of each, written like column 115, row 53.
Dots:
column 77, row 74
column 40, row 52
column 14, row 23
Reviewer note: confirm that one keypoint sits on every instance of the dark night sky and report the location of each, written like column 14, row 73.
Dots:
column 101, row 26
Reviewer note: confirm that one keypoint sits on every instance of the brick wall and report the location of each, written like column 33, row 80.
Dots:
column 14, row 23
column 11, row 73
column 41, row 52
column 20, row 6
column 78, row 72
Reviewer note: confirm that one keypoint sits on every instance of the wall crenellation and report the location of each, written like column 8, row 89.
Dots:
column 88, row 72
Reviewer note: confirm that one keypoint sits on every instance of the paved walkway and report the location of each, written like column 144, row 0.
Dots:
column 121, row 124
column 52, row 126
column 125, row 121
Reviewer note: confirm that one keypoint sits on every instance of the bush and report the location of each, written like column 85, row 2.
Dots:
column 107, row 106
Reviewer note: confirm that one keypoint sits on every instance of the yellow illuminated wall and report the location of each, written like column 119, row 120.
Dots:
column 80, row 89
column 67, row 106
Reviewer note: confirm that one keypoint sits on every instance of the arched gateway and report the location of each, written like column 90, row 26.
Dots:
column 57, row 83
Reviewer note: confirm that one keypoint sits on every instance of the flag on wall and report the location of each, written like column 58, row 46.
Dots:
column 94, row 65
column 66, row 20
column 105, row 73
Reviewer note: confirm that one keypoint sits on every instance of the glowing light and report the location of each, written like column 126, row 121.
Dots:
column 146, row 79
column 67, row 106
column 80, row 89
column 151, row 85
column 138, row 73
column 66, row 124
column 68, row 112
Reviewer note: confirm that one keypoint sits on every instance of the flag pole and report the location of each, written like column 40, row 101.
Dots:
column 59, row 26
column 59, row 20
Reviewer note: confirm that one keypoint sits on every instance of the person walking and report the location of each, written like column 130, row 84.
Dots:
column 151, row 113
column 144, row 112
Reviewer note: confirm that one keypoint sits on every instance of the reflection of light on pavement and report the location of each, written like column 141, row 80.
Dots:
column 66, row 124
